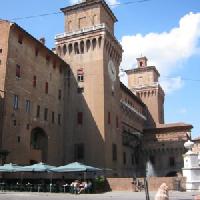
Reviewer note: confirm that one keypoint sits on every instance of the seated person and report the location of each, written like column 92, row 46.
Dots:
column 86, row 187
column 75, row 186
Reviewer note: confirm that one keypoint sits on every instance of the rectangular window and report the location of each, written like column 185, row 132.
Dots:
column 59, row 119
column 16, row 102
column 137, row 159
column 38, row 111
column 114, row 152
column 18, row 139
column 47, row 60
column 79, row 118
column 152, row 159
column 46, row 87
column 28, row 106
column 52, row 117
column 15, row 122
column 36, row 52
column 79, row 151
column 60, row 69
column 1, row 50
column 59, row 94
column 109, row 118
column 171, row 162
column 20, row 39
column 80, row 75
column 132, row 159
column 124, row 158
column 117, row 122
column 27, row 126
column 46, row 114
column 18, row 72
column 34, row 81
column 80, row 78
column 54, row 64
column 82, row 22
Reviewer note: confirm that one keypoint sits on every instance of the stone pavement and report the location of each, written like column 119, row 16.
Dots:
column 104, row 196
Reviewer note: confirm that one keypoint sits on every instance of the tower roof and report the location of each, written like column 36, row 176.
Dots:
column 142, row 58
column 87, row 3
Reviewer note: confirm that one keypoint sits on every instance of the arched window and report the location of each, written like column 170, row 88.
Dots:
column 64, row 49
column 88, row 44
column 76, row 49
column 39, row 141
column 82, row 47
column 59, row 50
column 94, row 43
column 99, row 41
column 70, row 47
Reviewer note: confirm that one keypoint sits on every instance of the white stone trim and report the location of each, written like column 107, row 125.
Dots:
column 83, row 30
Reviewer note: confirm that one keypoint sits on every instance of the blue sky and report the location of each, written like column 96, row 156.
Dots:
column 167, row 32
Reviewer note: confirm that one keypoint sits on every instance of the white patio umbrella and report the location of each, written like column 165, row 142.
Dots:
column 9, row 167
column 39, row 167
column 75, row 167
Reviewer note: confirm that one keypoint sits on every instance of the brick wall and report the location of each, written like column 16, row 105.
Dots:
column 127, row 184
column 121, row 184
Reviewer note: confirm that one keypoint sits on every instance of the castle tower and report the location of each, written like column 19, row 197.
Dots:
column 94, row 55
column 144, row 81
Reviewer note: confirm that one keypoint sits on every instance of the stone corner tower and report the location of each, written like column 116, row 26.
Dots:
column 94, row 55
column 144, row 81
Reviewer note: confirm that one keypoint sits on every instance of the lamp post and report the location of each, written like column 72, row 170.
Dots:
column 146, row 182
column 146, row 188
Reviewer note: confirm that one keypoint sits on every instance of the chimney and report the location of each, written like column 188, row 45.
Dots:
column 42, row 40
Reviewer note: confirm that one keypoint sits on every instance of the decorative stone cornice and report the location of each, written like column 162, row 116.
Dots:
column 82, row 31
column 87, row 3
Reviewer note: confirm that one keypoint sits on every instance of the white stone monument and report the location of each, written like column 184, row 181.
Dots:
column 191, row 168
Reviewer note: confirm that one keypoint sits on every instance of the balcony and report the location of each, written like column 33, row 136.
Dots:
column 132, row 109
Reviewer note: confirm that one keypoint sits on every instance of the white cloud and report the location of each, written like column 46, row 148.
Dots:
column 172, row 84
column 166, row 50
column 182, row 111
column 110, row 2
column 74, row 1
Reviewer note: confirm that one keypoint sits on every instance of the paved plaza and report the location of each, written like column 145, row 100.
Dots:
column 104, row 196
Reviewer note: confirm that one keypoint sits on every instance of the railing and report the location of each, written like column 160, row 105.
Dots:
column 132, row 109
column 83, row 30
column 147, row 85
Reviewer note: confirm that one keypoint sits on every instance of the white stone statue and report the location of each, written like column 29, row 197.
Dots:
column 191, row 168
column 188, row 145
